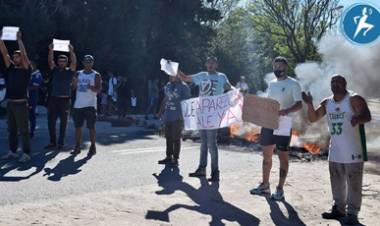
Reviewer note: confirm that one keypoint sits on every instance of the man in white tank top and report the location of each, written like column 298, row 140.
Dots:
column 346, row 115
column 88, row 84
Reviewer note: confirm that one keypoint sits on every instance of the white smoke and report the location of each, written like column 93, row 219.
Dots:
column 360, row 65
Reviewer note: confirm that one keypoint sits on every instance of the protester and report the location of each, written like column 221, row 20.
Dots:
column 88, row 84
column 103, row 103
column 287, row 92
column 346, row 115
column 242, row 85
column 34, row 92
column 60, row 97
column 17, row 78
column 175, row 92
column 211, row 83
column 133, row 102
column 112, row 92
column 153, row 94
column 122, row 97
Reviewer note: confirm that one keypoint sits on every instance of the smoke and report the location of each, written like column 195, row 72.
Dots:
column 360, row 65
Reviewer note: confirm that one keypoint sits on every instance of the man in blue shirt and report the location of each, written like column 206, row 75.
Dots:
column 211, row 83
column 34, row 87
column 175, row 92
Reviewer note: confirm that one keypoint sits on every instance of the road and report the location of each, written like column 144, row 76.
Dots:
column 124, row 185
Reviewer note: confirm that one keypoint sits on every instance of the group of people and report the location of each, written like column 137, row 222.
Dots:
column 22, row 80
column 346, row 114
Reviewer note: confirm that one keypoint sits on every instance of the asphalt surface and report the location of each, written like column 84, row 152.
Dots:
column 126, row 158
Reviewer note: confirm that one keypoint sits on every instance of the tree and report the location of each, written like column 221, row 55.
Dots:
column 296, row 24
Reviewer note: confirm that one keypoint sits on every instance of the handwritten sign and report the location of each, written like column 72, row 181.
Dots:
column 169, row 67
column 9, row 33
column 213, row 112
column 61, row 45
column 261, row 111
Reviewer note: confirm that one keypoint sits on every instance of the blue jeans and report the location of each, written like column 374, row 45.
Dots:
column 208, row 139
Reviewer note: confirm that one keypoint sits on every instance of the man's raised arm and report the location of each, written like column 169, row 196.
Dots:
column 24, row 55
column 73, row 59
column 5, row 54
column 183, row 77
column 312, row 114
column 51, row 57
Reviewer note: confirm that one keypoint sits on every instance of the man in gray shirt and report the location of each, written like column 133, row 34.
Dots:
column 175, row 92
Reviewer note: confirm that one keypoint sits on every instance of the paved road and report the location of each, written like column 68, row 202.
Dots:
column 127, row 157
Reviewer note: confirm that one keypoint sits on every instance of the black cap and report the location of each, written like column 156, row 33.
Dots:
column 88, row 58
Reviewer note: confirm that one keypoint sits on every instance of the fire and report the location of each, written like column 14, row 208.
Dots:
column 242, row 132
column 297, row 142
column 312, row 148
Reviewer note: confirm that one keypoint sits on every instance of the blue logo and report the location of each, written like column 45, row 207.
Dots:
column 361, row 23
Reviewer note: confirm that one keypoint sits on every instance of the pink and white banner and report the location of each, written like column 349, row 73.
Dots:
column 213, row 112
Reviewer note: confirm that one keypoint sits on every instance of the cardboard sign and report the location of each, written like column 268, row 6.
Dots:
column 9, row 33
column 169, row 67
column 61, row 45
column 213, row 112
column 261, row 111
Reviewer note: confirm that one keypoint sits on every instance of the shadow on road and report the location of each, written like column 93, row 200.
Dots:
column 279, row 218
column 38, row 162
column 66, row 167
column 207, row 198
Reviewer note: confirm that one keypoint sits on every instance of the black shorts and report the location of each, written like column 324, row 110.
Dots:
column 267, row 138
column 87, row 114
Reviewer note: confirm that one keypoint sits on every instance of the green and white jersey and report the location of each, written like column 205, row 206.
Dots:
column 346, row 140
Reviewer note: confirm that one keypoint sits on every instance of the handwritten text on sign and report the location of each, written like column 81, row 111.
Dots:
column 213, row 112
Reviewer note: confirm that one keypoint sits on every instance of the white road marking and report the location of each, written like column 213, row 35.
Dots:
column 133, row 151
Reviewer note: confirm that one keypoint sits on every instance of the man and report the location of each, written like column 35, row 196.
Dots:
column 153, row 95
column 346, row 115
column 175, row 92
column 59, row 100
column 88, row 83
column 17, row 81
column 34, row 92
column 122, row 97
column 287, row 92
column 211, row 83
column 242, row 85
column 112, row 95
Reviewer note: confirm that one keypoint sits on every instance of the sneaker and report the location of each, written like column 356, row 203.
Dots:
column 50, row 146
column 214, row 176
column 278, row 195
column 92, row 150
column 165, row 161
column 24, row 158
column 351, row 219
column 9, row 155
column 76, row 150
column 335, row 214
column 262, row 189
column 198, row 173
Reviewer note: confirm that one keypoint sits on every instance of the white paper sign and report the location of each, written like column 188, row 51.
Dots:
column 9, row 33
column 213, row 112
column 61, row 45
column 169, row 67
column 284, row 126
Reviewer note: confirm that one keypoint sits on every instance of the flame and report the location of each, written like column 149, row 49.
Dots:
column 297, row 142
column 238, row 131
column 312, row 148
